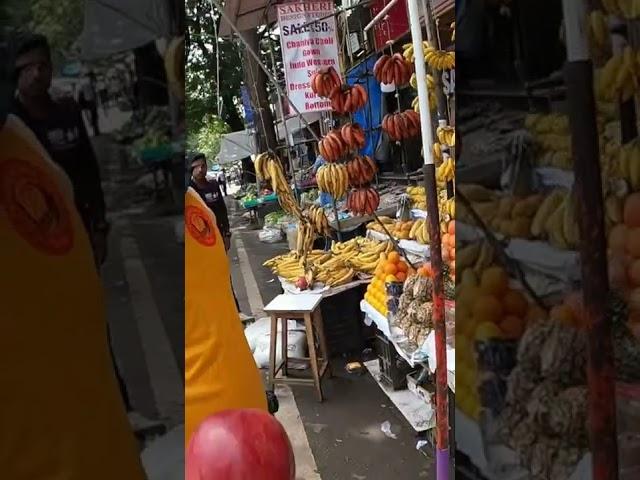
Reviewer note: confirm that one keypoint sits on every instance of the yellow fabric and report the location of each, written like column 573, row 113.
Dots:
column 61, row 415
column 220, row 372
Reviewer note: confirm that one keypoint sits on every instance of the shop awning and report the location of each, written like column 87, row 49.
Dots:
column 235, row 146
column 114, row 26
column 294, row 124
column 247, row 14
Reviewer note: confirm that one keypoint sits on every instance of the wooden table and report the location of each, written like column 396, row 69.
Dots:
column 299, row 307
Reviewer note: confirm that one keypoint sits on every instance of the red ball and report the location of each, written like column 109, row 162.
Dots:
column 242, row 444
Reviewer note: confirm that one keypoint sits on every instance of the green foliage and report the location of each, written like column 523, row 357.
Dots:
column 208, row 137
column 60, row 20
column 202, row 68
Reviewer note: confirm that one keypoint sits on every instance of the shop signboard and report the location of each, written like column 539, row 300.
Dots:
column 393, row 26
column 308, row 38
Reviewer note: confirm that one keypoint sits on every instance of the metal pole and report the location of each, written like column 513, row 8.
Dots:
column 273, row 80
column 442, row 386
column 593, row 246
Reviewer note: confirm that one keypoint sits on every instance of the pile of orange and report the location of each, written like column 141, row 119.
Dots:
column 390, row 269
column 489, row 309
column 449, row 248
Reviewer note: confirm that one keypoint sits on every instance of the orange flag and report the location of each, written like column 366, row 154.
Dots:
column 220, row 372
column 61, row 413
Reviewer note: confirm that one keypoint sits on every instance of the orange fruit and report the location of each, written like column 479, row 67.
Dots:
column 390, row 268
column 487, row 331
column 488, row 308
column 632, row 210
column 563, row 314
column 403, row 267
column 634, row 273
column 391, row 278
column 401, row 276
column 515, row 303
column 494, row 281
column 452, row 254
column 393, row 257
column 633, row 242
column 534, row 314
column 617, row 240
column 512, row 327
column 451, row 228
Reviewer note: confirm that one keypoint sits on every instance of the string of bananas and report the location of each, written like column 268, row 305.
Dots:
column 408, row 52
column 620, row 76
column 269, row 168
column 446, row 171
column 439, row 59
column 627, row 9
column 305, row 239
column 447, row 136
column 319, row 220
column 333, row 179
column 598, row 29
column 433, row 103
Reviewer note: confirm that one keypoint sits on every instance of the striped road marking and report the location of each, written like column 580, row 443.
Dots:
column 164, row 375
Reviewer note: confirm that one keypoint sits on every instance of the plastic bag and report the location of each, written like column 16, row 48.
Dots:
column 296, row 342
column 270, row 235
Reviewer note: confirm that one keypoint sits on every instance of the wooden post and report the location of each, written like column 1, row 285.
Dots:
column 593, row 246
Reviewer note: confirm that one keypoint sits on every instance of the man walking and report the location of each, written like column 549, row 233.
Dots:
column 88, row 102
column 222, row 180
column 209, row 192
column 59, row 126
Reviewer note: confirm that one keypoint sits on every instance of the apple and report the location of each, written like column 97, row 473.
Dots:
column 243, row 444
column 302, row 283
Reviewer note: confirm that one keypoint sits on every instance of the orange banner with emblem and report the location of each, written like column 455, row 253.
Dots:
column 62, row 415
column 220, row 372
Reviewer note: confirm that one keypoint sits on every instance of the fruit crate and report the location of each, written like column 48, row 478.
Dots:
column 393, row 368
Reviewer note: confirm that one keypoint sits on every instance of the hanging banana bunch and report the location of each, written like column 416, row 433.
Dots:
column 447, row 136
column 409, row 54
column 446, row 171
column 268, row 167
column 431, row 85
column 620, row 76
column 627, row 9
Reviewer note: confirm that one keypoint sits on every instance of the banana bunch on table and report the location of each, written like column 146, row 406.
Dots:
column 420, row 231
column 320, row 266
column 362, row 254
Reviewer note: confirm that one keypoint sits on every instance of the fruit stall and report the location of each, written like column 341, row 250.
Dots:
column 534, row 263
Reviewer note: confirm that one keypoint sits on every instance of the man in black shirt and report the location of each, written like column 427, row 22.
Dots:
column 59, row 126
column 209, row 191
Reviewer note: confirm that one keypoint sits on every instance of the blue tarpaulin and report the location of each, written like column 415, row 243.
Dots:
column 370, row 116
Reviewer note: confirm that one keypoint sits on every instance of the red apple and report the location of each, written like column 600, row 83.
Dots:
column 242, row 444
column 302, row 283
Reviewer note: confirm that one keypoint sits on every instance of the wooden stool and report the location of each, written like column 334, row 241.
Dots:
column 298, row 307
